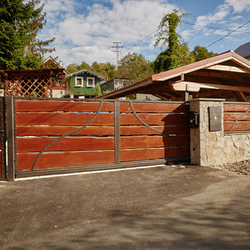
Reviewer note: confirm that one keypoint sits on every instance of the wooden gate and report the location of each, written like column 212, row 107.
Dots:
column 59, row 136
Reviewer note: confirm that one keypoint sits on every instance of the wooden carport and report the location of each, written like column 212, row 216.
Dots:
column 226, row 75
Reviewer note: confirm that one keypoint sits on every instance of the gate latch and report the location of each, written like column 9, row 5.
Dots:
column 193, row 119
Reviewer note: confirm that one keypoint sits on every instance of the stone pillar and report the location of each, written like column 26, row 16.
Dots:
column 206, row 147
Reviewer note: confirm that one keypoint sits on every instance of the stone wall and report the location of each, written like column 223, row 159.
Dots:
column 215, row 148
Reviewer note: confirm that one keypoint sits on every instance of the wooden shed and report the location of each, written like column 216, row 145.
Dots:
column 30, row 83
column 226, row 75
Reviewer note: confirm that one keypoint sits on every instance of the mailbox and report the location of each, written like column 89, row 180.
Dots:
column 193, row 119
column 214, row 114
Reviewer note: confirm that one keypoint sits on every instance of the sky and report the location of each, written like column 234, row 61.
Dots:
column 88, row 31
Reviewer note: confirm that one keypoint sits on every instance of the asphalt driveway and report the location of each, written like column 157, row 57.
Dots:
column 155, row 208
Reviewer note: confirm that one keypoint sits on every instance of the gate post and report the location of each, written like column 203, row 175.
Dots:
column 206, row 141
column 11, row 168
column 117, row 131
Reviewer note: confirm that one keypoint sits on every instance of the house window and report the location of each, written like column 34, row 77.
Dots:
column 91, row 82
column 79, row 82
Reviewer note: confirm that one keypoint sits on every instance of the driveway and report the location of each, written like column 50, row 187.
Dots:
column 154, row 208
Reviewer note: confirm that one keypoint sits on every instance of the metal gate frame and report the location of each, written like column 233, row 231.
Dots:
column 11, row 168
column 3, row 138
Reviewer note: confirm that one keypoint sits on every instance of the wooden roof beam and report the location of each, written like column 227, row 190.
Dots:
column 195, row 87
column 228, row 68
column 239, row 96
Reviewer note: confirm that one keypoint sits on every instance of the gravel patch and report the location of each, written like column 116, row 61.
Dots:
column 242, row 167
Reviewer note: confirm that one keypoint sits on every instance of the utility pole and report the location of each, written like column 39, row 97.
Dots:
column 117, row 51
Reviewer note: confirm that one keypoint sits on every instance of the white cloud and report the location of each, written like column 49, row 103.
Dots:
column 87, row 32
column 240, row 5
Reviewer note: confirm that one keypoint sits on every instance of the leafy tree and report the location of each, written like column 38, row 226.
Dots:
column 200, row 53
column 166, row 61
column 73, row 67
column 134, row 67
column 177, row 53
column 84, row 65
column 20, row 23
column 105, row 69
column 98, row 90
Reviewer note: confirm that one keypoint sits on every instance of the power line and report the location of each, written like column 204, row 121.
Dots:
column 228, row 34
column 135, row 44
column 204, row 26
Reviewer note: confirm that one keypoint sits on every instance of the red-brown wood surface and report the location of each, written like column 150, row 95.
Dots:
column 152, row 141
column 36, row 144
column 154, row 119
column 235, row 116
column 152, row 153
column 154, row 107
column 97, row 130
column 36, row 118
column 33, row 105
column 30, row 106
column 62, row 130
column 65, row 159
column 239, row 126
column 235, row 107
column 102, row 119
column 143, row 130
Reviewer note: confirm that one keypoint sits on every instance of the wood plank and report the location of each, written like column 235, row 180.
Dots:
column 239, row 126
column 235, row 116
column 235, row 107
column 142, row 130
column 54, row 105
column 65, row 159
column 182, row 86
column 35, row 118
column 36, row 144
column 152, row 153
column 154, row 119
column 154, row 107
column 97, row 130
column 62, row 130
column 228, row 68
column 152, row 141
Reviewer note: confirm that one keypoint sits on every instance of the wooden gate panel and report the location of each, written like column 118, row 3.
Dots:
column 58, row 134
column 156, row 131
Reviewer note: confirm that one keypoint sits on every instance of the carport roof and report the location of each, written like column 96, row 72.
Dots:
column 225, row 75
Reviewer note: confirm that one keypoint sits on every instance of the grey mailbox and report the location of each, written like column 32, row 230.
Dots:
column 214, row 114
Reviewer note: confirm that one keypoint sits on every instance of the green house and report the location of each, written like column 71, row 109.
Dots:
column 81, row 84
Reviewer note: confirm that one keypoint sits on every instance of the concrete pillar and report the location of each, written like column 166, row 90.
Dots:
column 206, row 146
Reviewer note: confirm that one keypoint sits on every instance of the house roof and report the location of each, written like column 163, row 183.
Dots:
column 243, row 50
column 225, row 75
column 91, row 72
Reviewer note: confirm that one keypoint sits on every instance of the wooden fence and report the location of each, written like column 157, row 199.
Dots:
column 236, row 117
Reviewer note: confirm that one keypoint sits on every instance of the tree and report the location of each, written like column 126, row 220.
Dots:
column 105, row 69
column 177, row 53
column 200, row 53
column 166, row 61
column 134, row 67
column 73, row 67
column 20, row 23
column 98, row 90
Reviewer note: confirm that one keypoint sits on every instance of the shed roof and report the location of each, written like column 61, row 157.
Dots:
column 225, row 75
column 91, row 72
